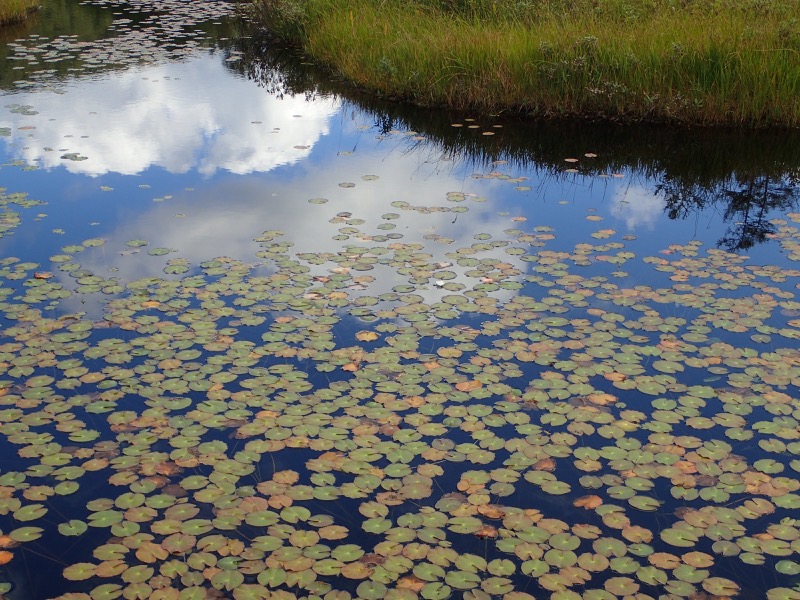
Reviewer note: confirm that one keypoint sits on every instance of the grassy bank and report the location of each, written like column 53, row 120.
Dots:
column 733, row 62
column 13, row 11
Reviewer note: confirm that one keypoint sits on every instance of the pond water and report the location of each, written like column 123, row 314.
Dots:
column 263, row 337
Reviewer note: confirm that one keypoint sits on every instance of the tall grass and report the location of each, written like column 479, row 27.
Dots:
column 12, row 11
column 733, row 62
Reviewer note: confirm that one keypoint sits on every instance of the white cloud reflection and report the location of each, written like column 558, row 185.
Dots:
column 178, row 116
column 638, row 206
column 222, row 220
column 197, row 116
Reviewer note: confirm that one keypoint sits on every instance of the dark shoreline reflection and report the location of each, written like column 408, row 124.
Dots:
column 744, row 176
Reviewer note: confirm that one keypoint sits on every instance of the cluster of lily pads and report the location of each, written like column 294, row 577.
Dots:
column 271, row 429
column 147, row 32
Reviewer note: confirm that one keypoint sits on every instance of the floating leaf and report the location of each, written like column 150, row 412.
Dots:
column 72, row 527
column 24, row 534
column 645, row 503
column 719, row 586
column 79, row 571
column 30, row 512
column 366, row 336
column 588, row 502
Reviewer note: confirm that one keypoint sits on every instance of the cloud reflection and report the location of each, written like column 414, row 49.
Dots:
column 177, row 116
column 638, row 206
column 201, row 226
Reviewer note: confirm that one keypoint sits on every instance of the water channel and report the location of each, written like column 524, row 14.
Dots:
column 266, row 337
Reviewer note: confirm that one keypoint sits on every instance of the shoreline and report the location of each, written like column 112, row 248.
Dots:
column 674, row 67
column 14, row 12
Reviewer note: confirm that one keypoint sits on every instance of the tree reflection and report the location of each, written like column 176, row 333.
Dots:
column 748, row 204
column 749, row 207
column 746, row 176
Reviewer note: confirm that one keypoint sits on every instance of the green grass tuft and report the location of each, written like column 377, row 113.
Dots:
column 13, row 11
column 699, row 62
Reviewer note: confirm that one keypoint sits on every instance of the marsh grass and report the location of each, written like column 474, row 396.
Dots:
column 733, row 62
column 13, row 11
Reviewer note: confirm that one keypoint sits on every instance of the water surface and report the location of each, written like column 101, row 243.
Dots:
column 263, row 337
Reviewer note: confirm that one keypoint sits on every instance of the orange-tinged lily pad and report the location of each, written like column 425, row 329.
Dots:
column 468, row 386
column 411, row 582
column 7, row 542
column 367, row 336
column 356, row 570
column 149, row 552
column 588, row 502
column 720, row 586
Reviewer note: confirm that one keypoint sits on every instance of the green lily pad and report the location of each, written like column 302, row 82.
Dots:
column 72, row 527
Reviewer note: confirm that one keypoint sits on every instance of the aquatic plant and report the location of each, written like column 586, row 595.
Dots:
column 283, row 430
column 13, row 11
column 629, row 61
column 522, row 410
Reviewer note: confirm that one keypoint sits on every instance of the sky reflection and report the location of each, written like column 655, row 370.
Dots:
column 178, row 116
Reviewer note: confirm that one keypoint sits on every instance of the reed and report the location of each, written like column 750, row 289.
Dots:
column 699, row 62
column 13, row 11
